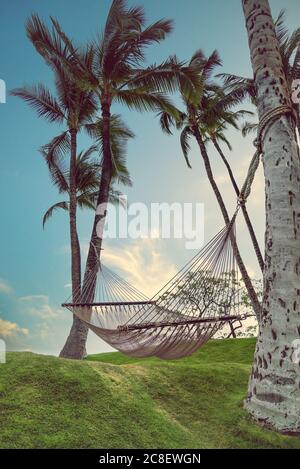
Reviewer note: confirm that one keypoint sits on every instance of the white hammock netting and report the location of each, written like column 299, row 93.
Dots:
column 182, row 316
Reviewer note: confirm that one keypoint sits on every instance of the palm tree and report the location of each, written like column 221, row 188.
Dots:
column 289, row 46
column 113, row 70
column 86, row 185
column 215, row 133
column 203, row 110
column 273, row 394
column 73, row 107
column 86, row 182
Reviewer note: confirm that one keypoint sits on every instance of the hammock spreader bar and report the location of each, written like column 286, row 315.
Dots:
column 107, row 303
column 156, row 325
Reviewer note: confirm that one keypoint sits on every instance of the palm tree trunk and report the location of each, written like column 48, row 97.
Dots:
column 92, row 263
column 273, row 394
column 298, row 120
column 242, row 267
column 243, row 207
column 75, row 345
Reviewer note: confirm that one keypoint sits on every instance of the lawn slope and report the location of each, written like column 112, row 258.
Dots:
column 111, row 401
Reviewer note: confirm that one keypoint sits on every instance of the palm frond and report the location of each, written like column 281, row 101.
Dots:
column 166, row 77
column 296, row 65
column 89, row 199
column 117, row 198
column 42, row 101
column 248, row 128
column 136, row 18
column 85, row 156
column 57, row 148
column 119, row 136
column 58, row 170
column 280, row 27
column 208, row 66
column 292, row 44
column 125, row 39
column 116, row 13
column 185, row 146
column 46, row 42
column 244, row 86
column 76, row 64
column 132, row 51
column 198, row 58
column 54, row 208
column 221, row 136
column 145, row 101
column 87, row 175
column 166, row 121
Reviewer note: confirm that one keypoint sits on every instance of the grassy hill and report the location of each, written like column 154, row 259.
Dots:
column 111, row 401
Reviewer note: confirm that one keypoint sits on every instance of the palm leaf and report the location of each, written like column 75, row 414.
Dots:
column 209, row 65
column 280, row 27
column 166, row 77
column 58, row 171
column 132, row 50
column 185, row 146
column 221, row 136
column 57, row 148
column 248, row 128
column 89, row 199
column 144, row 101
column 296, row 64
column 119, row 136
column 166, row 122
column 45, row 41
column 54, row 208
column 198, row 58
column 42, row 101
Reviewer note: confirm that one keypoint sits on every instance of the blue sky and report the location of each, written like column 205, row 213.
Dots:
column 34, row 269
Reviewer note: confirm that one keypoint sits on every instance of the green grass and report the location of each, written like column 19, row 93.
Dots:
column 111, row 401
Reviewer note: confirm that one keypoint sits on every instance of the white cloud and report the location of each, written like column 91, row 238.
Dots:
column 10, row 329
column 33, row 298
column 38, row 305
column 45, row 331
column 143, row 264
column 5, row 287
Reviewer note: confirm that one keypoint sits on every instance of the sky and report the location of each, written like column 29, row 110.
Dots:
column 35, row 263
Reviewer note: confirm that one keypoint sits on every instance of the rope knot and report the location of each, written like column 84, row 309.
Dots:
column 241, row 200
column 257, row 144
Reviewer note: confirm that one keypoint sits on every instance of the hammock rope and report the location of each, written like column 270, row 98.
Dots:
column 185, row 313
column 265, row 123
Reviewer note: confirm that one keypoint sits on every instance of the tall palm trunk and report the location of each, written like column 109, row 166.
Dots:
column 243, row 206
column 297, row 108
column 243, row 270
column 92, row 263
column 274, row 388
column 74, row 342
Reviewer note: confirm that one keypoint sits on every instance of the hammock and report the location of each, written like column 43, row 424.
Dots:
column 181, row 317
column 186, row 312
